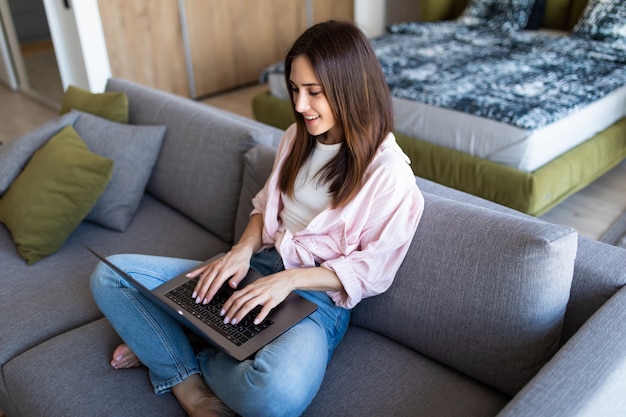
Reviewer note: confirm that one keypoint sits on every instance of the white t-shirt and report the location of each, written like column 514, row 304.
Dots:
column 310, row 196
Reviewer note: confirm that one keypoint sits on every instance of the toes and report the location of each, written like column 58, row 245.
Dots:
column 124, row 358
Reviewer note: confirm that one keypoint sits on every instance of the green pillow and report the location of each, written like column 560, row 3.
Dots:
column 109, row 105
column 15, row 155
column 53, row 194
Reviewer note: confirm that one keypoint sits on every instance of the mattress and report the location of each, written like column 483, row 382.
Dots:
column 526, row 150
column 512, row 138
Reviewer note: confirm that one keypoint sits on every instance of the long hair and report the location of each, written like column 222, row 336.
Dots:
column 354, row 85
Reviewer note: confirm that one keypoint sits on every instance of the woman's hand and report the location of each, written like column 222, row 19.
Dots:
column 271, row 290
column 232, row 267
column 267, row 292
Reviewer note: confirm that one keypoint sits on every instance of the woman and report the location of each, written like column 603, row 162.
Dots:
column 333, row 222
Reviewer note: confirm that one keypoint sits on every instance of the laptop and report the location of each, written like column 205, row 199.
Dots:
column 239, row 341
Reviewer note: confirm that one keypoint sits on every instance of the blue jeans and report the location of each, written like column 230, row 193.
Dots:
column 280, row 380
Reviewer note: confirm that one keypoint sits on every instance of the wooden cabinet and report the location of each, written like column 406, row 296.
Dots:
column 145, row 43
column 323, row 10
column 200, row 47
column 231, row 42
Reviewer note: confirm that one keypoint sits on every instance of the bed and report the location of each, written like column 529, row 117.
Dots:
column 514, row 104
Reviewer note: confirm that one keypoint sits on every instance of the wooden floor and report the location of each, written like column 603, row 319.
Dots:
column 591, row 211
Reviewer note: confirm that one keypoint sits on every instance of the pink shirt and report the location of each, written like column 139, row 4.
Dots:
column 363, row 242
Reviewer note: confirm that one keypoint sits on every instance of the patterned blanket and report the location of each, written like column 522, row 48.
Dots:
column 525, row 79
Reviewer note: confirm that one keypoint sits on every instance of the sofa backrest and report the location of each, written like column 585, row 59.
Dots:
column 200, row 167
column 559, row 14
column 482, row 291
column 599, row 270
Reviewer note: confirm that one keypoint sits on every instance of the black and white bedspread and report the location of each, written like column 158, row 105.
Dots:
column 524, row 79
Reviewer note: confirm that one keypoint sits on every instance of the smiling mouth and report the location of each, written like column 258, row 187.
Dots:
column 310, row 118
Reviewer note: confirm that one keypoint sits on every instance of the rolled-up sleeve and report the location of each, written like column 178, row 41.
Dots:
column 393, row 214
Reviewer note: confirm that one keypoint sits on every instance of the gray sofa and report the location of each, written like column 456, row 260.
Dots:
column 492, row 313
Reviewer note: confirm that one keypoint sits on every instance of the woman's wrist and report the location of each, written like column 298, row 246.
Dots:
column 251, row 239
column 313, row 279
column 247, row 246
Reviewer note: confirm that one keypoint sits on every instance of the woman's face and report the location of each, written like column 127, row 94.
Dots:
column 311, row 102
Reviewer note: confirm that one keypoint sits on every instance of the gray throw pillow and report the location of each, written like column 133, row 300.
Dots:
column 15, row 155
column 134, row 150
column 200, row 169
column 258, row 163
column 482, row 291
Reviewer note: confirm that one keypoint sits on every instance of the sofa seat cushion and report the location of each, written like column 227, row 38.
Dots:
column 389, row 379
column 482, row 291
column 53, row 295
column 370, row 375
column 82, row 356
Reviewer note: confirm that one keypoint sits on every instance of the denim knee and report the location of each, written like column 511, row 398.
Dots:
column 101, row 279
column 281, row 380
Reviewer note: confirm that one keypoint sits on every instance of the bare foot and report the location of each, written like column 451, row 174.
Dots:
column 198, row 400
column 124, row 358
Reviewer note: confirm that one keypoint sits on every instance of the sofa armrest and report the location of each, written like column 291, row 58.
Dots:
column 587, row 377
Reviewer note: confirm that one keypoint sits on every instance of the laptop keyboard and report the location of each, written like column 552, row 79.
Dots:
column 209, row 313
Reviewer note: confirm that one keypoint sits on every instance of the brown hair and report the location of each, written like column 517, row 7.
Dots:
column 354, row 85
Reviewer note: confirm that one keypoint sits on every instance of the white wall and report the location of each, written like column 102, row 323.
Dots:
column 79, row 43
column 369, row 15
column 374, row 15
column 7, row 74
column 7, row 69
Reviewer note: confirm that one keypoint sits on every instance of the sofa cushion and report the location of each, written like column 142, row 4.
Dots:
column 482, row 291
column 15, row 155
column 135, row 150
column 258, row 163
column 53, row 194
column 200, row 169
column 370, row 375
column 82, row 356
column 109, row 105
